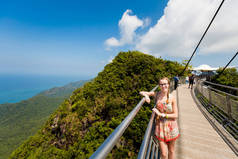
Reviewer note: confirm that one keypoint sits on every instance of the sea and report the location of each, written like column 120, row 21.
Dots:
column 15, row 88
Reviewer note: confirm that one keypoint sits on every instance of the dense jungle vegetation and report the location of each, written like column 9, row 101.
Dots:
column 229, row 78
column 20, row 120
column 92, row 112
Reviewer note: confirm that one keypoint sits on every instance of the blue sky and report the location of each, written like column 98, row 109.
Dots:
column 81, row 37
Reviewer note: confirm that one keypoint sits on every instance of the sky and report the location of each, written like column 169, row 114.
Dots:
column 79, row 37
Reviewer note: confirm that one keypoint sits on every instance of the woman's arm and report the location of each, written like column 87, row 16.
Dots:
column 147, row 95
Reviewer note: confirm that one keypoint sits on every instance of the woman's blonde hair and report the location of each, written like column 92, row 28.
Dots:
column 166, row 78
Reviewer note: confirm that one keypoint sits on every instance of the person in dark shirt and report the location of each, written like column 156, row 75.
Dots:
column 176, row 80
column 191, row 81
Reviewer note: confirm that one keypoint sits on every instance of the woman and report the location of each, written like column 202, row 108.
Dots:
column 166, row 129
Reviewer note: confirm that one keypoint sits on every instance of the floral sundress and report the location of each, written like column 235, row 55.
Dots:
column 166, row 129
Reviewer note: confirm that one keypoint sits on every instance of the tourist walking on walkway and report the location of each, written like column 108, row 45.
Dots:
column 191, row 81
column 166, row 129
column 176, row 80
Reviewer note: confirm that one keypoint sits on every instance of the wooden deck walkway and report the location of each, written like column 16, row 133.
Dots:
column 198, row 138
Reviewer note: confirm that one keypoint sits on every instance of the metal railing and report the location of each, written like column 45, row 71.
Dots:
column 226, row 102
column 221, row 105
column 149, row 142
column 110, row 142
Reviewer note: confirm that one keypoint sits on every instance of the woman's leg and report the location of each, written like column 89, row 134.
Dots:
column 171, row 149
column 163, row 150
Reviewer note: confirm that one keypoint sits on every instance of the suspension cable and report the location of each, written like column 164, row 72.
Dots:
column 227, row 64
column 202, row 38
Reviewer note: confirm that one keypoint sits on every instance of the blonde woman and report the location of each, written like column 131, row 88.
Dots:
column 166, row 129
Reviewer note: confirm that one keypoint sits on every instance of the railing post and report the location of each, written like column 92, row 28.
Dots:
column 202, row 85
column 148, row 151
column 228, row 104
column 210, row 94
column 147, row 137
column 153, row 151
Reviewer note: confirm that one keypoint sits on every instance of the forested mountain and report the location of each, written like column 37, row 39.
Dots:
column 64, row 91
column 83, row 121
column 20, row 120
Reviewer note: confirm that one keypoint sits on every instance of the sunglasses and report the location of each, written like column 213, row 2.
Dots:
column 163, row 84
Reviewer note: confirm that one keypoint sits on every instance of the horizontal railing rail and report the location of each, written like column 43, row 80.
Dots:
column 110, row 142
column 217, row 90
column 215, row 84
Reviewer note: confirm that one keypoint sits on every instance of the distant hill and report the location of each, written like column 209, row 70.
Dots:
column 83, row 121
column 64, row 91
column 20, row 120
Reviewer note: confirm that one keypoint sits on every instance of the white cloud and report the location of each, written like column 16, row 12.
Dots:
column 178, row 31
column 127, row 25
column 147, row 22
column 112, row 42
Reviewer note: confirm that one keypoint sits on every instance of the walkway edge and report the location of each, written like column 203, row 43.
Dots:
column 218, row 128
column 179, row 149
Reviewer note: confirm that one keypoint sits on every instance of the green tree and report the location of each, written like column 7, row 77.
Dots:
column 229, row 78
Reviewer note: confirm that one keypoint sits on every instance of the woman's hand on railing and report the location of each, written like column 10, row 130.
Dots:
column 147, row 98
column 157, row 112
